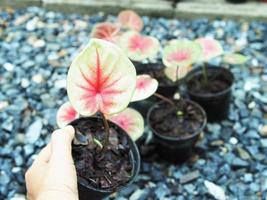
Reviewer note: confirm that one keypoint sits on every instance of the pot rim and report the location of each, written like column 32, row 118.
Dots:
column 180, row 138
column 134, row 153
column 197, row 70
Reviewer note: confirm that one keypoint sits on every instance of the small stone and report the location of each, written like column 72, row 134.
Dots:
column 217, row 143
column 243, row 153
column 38, row 43
column 252, row 134
column 9, row 67
column 28, row 149
column 4, row 178
column 21, row 19
column 3, row 105
column 31, row 24
column 139, row 194
column 161, row 191
column 80, row 24
column 128, row 190
column 264, row 185
column 16, row 169
column 19, row 160
column 19, row 197
column 190, row 188
column 189, row 177
column 248, row 178
column 60, row 83
column 254, row 187
column 24, row 83
column 239, row 163
column 34, row 131
column 264, row 142
column 20, row 138
column 216, row 191
column 263, row 129
column 233, row 140
column 38, row 78
column 251, row 105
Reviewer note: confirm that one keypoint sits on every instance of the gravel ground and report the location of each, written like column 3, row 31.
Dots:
column 36, row 47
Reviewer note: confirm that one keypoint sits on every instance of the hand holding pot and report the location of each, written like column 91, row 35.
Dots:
column 52, row 175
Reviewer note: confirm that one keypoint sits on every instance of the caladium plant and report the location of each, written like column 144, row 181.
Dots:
column 130, row 20
column 106, row 31
column 101, row 79
column 129, row 119
column 139, row 47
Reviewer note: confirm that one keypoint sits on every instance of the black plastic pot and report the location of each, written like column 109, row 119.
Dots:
column 216, row 105
column 176, row 149
column 86, row 191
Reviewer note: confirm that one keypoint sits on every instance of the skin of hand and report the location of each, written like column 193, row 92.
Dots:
column 52, row 175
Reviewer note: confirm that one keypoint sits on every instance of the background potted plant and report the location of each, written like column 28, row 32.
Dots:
column 210, row 86
column 176, row 126
column 178, row 57
column 100, row 83
column 176, row 123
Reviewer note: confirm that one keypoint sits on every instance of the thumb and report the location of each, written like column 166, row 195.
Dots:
column 61, row 145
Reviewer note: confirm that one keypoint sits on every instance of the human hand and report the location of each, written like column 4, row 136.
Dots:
column 52, row 175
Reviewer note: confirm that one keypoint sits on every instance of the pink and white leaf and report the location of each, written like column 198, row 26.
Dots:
column 66, row 114
column 106, row 31
column 211, row 48
column 181, row 53
column 139, row 47
column 176, row 73
column 235, row 59
column 131, row 121
column 145, row 87
column 130, row 20
column 101, row 78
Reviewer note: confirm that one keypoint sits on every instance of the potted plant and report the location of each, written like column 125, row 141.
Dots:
column 210, row 86
column 100, row 83
column 177, row 123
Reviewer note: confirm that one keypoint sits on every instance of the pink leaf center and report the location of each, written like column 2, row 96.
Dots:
column 69, row 115
column 139, row 43
column 209, row 48
column 99, row 90
column 124, row 121
column 178, row 56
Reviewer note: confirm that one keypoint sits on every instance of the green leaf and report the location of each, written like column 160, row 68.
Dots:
column 235, row 59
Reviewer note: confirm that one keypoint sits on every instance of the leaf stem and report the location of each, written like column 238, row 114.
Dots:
column 204, row 73
column 106, row 127
column 164, row 98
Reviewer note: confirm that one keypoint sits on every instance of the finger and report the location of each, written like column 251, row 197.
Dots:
column 61, row 145
column 43, row 156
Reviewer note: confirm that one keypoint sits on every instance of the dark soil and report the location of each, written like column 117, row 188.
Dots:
column 165, row 120
column 217, row 82
column 156, row 70
column 107, row 170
